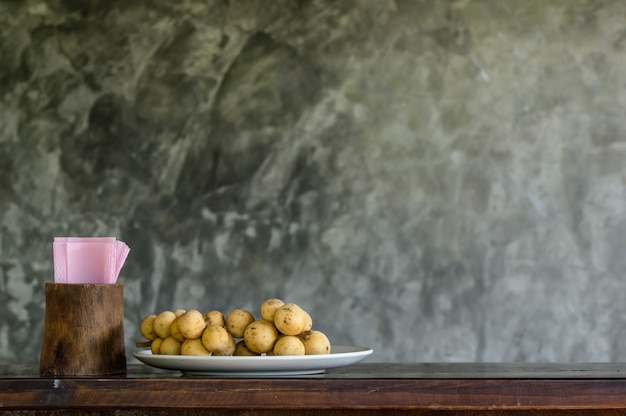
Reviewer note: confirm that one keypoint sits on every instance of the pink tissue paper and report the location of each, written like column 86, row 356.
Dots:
column 88, row 259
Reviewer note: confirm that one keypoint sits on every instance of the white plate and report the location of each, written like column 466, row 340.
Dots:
column 340, row 356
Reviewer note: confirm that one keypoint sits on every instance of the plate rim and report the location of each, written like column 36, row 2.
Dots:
column 256, row 365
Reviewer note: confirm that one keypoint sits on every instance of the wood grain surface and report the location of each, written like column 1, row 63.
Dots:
column 364, row 389
column 83, row 330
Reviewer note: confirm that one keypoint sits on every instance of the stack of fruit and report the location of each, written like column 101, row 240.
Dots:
column 284, row 329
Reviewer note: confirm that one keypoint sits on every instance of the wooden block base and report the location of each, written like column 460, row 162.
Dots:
column 83, row 330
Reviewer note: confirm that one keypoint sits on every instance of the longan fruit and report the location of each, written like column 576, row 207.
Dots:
column 237, row 321
column 315, row 342
column 146, row 328
column 308, row 322
column 214, row 318
column 230, row 349
column 193, row 347
column 289, row 345
column 175, row 331
column 191, row 324
column 155, row 346
column 290, row 319
column 269, row 307
column 162, row 323
column 260, row 336
column 170, row 346
column 215, row 338
column 241, row 349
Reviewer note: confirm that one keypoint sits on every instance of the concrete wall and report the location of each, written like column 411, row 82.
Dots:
column 438, row 180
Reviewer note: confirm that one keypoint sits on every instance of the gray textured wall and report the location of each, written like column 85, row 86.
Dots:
column 439, row 180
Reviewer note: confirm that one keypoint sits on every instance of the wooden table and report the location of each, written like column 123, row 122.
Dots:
column 363, row 389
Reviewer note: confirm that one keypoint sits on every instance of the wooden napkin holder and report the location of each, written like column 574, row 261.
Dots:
column 83, row 332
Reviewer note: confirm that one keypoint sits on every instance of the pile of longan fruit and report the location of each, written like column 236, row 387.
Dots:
column 284, row 329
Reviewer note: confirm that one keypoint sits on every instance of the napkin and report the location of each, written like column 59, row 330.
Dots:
column 88, row 259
